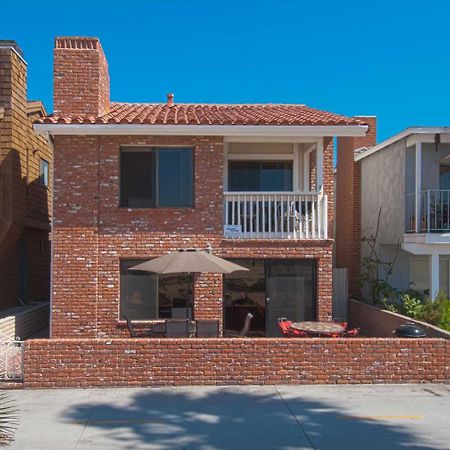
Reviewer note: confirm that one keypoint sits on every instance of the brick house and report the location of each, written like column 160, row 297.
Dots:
column 135, row 181
column 25, row 186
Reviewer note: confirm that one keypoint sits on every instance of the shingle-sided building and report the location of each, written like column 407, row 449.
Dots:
column 25, row 188
column 136, row 181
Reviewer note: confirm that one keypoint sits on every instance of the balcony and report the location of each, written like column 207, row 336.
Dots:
column 275, row 215
column 432, row 208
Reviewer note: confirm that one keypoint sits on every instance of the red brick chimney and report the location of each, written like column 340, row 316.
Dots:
column 348, row 203
column 81, row 78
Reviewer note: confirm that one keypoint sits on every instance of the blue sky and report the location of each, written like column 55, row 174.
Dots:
column 385, row 58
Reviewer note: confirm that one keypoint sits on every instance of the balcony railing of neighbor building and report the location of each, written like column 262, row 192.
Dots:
column 275, row 215
column 434, row 208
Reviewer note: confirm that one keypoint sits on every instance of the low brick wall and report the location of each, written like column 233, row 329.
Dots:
column 376, row 322
column 175, row 362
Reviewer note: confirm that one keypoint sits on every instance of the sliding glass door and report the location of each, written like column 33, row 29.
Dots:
column 289, row 292
column 272, row 288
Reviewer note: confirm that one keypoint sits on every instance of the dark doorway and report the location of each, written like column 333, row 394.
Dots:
column 22, row 257
column 271, row 288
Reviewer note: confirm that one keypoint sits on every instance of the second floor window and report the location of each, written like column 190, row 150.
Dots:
column 260, row 176
column 43, row 175
column 156, row 177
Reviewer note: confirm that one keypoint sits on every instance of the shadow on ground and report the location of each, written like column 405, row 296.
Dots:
column 231, row 419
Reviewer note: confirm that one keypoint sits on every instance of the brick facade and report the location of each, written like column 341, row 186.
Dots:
column 348, row 205
column 61, row 363
column 25, row 205
column 91, row 233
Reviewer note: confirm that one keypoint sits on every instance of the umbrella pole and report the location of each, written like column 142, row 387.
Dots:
column 190, row 295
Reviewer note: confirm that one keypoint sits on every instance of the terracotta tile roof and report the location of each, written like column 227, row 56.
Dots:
column 208, row 114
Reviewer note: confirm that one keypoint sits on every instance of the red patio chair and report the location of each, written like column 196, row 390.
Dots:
column 285, row 327
column 352, row 333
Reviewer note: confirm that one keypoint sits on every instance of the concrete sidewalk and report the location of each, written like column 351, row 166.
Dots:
column 386, row 417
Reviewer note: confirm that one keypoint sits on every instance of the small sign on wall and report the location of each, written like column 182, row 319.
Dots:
column 232, row 231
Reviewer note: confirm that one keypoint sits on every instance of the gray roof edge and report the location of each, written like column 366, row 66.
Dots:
column 363, row 152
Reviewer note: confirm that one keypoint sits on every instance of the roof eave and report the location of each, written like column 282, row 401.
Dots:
column 201, row 130
column 399, row 136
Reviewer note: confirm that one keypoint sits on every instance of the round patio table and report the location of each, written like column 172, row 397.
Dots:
column 318, row 327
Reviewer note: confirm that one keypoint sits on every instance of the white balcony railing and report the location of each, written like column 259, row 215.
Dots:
column 434, row 208
column 275, row 215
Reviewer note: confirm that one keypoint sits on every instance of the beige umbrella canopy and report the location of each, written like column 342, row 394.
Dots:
column 188, row 261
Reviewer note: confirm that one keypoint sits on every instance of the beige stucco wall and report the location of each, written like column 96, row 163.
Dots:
column 383, row 186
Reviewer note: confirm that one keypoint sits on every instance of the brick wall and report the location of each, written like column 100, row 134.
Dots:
column 348, row 204
column 91, row 233
column 57, row 363
column 81, row 79
column 378, row 322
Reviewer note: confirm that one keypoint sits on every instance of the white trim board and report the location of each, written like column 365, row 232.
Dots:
column 399, row 136
column 200, row 130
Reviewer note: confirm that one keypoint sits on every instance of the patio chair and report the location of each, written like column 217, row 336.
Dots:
column 181, row 313
column 134, row 333
column 285, row 327
column 130, row 327
column 352, row 333
column 206, row 328
column 177, row 328
column 245, row 328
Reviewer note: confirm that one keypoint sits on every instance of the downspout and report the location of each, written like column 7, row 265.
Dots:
column 52, row 147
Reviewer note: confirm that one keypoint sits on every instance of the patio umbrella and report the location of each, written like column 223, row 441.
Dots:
column 188, row 261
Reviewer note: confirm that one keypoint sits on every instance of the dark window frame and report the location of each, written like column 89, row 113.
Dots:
column 259, row 165
column 44, row 172
column 155, row 151
column 158, row 306
column 267, row 263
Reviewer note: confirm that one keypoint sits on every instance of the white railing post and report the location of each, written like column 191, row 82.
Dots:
column 428, row 211
column 276, row 215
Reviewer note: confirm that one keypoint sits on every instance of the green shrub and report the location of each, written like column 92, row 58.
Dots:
column 414, row 305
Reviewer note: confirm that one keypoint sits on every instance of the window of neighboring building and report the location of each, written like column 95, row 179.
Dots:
column 444, row 275
column 156, row 177
column 420, row 274
column 43, row 175
column 259, row 176
column 148, row 296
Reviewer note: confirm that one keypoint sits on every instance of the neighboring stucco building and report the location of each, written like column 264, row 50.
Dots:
column 135, row 181
column 408, row 177
column 25, row 187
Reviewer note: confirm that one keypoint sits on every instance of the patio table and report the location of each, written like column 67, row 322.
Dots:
column 317, row 328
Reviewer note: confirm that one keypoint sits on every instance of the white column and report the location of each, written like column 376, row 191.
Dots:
column 418, row 186
column 225, row 166
column 306, row 169
column 319, row 165
column 434, row 275
column 295, row 174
